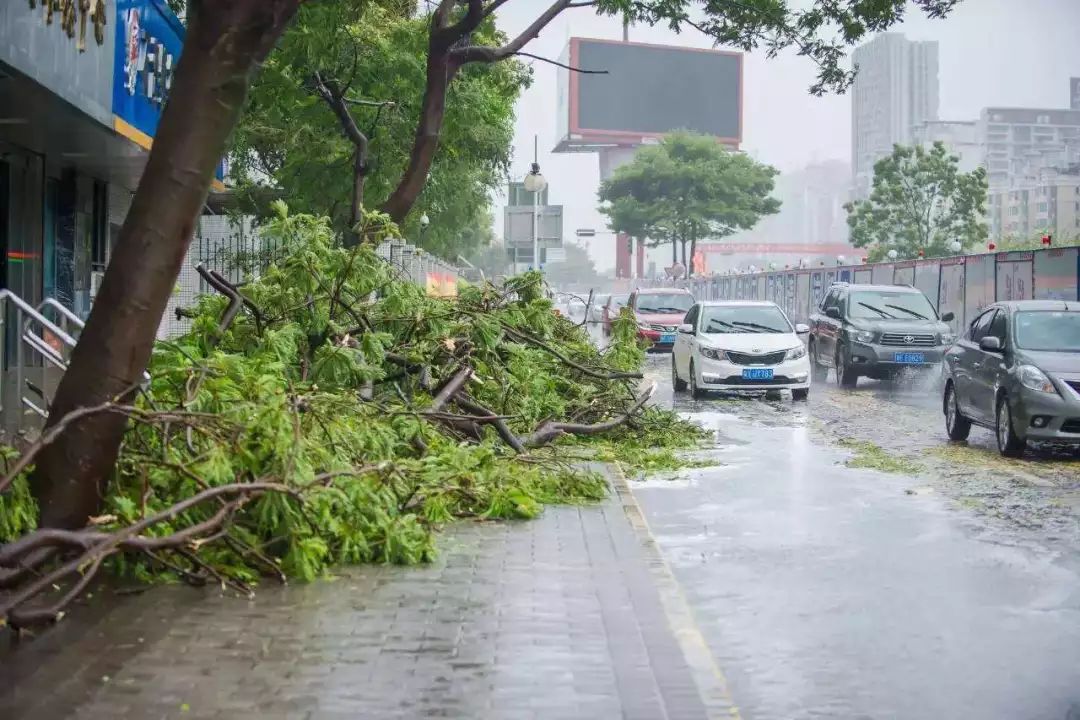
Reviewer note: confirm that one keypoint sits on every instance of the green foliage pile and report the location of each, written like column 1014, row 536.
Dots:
column 323, row 390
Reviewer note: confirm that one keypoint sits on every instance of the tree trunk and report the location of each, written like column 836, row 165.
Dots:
column 693, row 252
column 440, row 72
column 225, row 41
column 683, row 243
column 674, row 252
column 356, row 213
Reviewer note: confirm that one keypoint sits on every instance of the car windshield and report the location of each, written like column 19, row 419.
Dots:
column 893, row 305
column 729, row 319
column 664, row 303
column 1048, row 330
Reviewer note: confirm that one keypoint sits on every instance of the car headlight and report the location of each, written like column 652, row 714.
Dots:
column 795, row 353
column 1035, row 379
column 948, row 338
column 863, row 336
column 713, row 353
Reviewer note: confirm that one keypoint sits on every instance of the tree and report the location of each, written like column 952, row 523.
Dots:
column 330, row 121
column 226, row 39
column 920, row 202
column 820, row 32
column 687, row 188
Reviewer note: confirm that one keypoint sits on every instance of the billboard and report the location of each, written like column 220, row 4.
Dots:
column 148, row 41
column 631, row 93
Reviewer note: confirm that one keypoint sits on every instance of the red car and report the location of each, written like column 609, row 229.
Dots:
column 659, row 312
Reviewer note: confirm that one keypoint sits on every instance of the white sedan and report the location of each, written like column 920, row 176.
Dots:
column 740, row 345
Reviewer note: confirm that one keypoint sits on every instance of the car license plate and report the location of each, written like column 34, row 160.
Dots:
column 667, row 337
column 909, row 358
column 757, row 374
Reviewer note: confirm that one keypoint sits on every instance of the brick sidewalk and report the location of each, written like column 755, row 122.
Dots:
column 562, row 617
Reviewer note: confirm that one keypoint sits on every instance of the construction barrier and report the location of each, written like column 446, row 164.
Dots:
column 962, row 285
column 438, row 277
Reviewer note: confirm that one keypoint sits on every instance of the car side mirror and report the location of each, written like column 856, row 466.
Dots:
column 948, row 317
column 833, row 312
column 990, row 343
column 801, row 328
column 686, row 329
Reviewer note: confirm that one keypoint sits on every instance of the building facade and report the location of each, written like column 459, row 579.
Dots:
column 79, row 108
column 1019, row 143
column 1046, row 204
column 895, row 90
column 960, row 137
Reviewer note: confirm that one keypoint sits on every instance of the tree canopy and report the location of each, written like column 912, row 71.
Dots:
column 687, row 188
column 372, row 54
column 920, row 201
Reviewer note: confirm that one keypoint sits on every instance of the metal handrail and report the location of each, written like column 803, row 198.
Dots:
column 25, row 316
column 68, row 315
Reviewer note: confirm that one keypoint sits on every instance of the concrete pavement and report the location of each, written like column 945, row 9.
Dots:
column 572, row 615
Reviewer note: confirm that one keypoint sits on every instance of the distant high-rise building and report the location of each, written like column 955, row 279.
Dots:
column 1074, row 93
column 1018, row 143
column 960, row 138
column 1046, row 203
column 896, row 89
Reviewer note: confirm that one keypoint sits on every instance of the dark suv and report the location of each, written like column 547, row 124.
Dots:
column 876, row 331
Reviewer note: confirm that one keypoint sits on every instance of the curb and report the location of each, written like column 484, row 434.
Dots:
column 709, row 678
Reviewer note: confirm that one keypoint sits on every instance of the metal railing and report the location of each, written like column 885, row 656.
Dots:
column 40, row 344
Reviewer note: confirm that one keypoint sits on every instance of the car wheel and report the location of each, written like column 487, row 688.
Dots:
column 800, row 394
column 676, row 383
column 958, row 426
column 695, row 392
column 845, row 376
column 818, row 372
column 1008, row 442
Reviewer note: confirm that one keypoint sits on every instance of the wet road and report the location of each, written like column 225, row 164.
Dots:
column 950, row 590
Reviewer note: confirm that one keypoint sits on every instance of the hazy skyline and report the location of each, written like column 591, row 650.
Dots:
column 992, row 53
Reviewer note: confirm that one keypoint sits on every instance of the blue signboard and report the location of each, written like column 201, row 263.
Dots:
column 149, row 39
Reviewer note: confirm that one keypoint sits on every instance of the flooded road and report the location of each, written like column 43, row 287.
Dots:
column 947, row 588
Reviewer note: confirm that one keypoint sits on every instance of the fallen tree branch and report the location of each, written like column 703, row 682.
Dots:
column 549, row 431
column 98, row 546
column 591, row 372
column 469, row 405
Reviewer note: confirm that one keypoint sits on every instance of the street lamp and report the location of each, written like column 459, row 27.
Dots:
column 424, row 222
column 840, row 259
column 955, row 246
column 892, row 254
column 535, row 183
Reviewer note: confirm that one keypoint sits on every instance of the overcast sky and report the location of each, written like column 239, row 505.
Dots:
column 1017, row 53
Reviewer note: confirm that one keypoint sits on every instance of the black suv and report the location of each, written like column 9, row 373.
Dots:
column 876, row 331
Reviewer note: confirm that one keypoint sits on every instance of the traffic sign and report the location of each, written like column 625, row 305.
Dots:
column 585, row 232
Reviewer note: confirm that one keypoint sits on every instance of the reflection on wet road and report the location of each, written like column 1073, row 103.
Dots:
column 832, row 592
